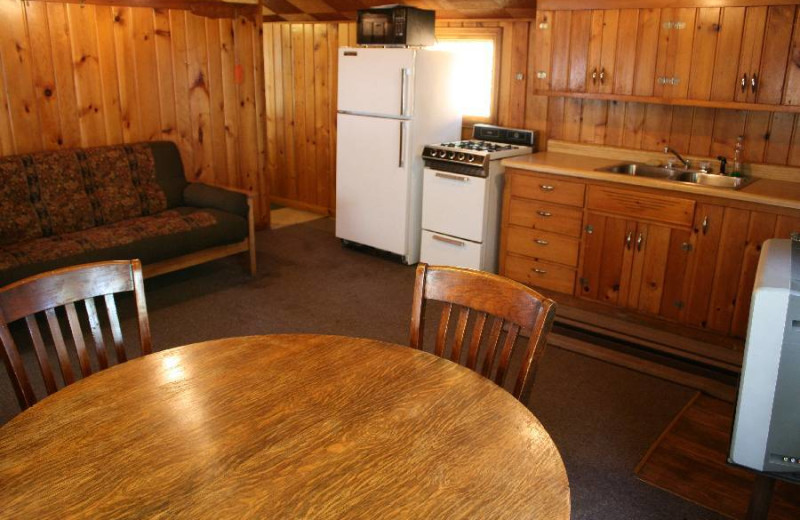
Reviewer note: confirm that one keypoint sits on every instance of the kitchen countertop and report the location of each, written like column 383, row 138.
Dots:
column 761, row 191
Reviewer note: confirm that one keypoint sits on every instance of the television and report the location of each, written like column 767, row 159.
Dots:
column 766, row 428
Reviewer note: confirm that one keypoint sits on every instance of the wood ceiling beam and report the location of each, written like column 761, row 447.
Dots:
column 571, row 5
column 206, row 8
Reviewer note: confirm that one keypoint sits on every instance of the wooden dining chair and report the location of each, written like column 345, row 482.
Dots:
column 47, row 293
column 511, row 306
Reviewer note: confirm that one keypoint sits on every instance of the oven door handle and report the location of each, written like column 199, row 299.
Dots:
column 452, row 177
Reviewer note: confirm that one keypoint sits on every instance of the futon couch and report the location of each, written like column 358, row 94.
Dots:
column 67, row 207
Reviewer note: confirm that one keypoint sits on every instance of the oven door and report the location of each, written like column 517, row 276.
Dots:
column 453, row 204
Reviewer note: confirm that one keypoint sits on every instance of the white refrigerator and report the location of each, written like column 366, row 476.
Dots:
column 392, row 102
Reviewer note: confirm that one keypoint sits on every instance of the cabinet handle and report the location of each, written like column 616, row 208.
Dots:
column 543, row 213
column 546, row 187
column 594, row 76
column 628, row 239
column 539, row 271
column 541, row 241
column 446, row 240
column 754, row 82
column 640, row 242
column 744, row 83
column 602, row 75
column 704, row 225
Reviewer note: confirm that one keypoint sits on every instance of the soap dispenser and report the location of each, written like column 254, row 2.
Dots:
column 737, row 157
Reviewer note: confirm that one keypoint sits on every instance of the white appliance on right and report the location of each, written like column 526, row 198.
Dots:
column 462, row 196
column 766, row 429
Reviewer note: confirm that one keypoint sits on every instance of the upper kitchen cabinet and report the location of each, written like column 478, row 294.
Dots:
column 705, row 56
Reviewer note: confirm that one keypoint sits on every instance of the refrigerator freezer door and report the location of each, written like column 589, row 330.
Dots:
column 372, row 182
column 376, row 81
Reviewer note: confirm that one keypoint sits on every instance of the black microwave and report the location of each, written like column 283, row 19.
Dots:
column 396, row 25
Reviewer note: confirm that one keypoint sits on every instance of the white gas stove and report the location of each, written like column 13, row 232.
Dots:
column 461, row 198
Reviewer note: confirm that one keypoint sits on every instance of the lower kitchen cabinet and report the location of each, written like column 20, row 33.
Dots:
column 632, row 264
column 682, row 258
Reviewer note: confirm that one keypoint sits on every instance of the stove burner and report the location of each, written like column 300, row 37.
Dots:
column 479, row 146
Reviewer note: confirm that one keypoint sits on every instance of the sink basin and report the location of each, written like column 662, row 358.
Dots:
column 641, row 170
column 673, row 175
column 710, row 179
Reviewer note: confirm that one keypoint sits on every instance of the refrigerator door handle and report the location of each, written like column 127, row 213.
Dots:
column 403, row 90
column 402, row 160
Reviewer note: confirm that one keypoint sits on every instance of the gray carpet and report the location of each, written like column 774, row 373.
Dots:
column 602, row 417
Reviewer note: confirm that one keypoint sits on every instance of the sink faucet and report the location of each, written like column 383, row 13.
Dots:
column 685, row 162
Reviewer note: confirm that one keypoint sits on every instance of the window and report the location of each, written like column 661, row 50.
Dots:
column 476, row 51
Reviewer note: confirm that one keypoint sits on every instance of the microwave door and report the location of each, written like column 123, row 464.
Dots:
column 376, row 81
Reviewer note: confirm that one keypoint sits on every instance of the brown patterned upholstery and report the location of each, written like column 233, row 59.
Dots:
column 57, row 192
column 103, row 237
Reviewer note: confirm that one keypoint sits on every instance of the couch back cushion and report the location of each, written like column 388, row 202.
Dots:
column 51, row 193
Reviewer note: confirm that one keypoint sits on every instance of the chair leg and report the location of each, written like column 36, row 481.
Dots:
column 761, row 497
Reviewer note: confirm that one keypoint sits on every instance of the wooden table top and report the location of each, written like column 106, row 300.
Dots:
column 285, row 426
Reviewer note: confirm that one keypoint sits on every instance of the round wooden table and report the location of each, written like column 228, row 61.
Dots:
column 285, row 426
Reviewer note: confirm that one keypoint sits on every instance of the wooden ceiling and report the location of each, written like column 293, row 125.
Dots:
column 342, row 10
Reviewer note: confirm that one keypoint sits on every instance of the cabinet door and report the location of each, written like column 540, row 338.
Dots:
column 542, row 50
column 706, row 233
column 674, row 58
column 647, row 42
column 603, row 50
column 607, row 258
column 769, row 83
column 791, row 94
column 659, row 252
column 580, row 34
column 729, row 49
column 755, row 22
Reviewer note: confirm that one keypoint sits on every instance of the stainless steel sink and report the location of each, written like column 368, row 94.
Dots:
column 673, row 175
column 642, row 170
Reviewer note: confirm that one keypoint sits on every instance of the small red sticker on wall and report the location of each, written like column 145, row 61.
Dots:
column 238, row 74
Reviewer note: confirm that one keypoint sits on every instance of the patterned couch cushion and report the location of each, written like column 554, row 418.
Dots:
column 103, row 237
column 65, row 191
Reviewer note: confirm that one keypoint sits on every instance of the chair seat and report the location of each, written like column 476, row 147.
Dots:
column 151, row 238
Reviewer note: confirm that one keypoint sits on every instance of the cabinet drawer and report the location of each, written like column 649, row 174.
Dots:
column 545, row 216
column 635, row 204
column 540, row 274
column 543, row 245
column 548, row 189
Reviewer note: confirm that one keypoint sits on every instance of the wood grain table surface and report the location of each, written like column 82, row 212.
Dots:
column 284, row 426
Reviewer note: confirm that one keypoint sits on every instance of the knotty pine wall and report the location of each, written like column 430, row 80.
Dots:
column 301, row 112
column 85, row 75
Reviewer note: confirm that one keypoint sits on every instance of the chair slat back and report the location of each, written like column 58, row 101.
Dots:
column 49, row 292
column 475, row 297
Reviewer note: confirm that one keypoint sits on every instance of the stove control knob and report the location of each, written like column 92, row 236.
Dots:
column 451, row 155
column 461, row 157
column 442, row 153
column 471, row 158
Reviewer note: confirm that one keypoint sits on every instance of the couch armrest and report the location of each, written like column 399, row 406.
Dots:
column 201, row 195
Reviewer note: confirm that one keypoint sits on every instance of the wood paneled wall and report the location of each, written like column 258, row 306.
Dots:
column 85, row 75
column 772, row 138
column 301, row 73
